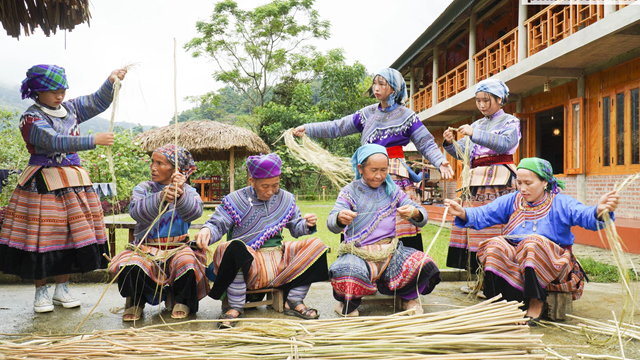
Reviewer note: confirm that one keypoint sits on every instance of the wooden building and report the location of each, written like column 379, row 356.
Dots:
column 574, row 76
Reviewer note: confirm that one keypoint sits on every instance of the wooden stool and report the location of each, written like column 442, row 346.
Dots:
column 275, row 298
column 559, row 304
column 380, row 299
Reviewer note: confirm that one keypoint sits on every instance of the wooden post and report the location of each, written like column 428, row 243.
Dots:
column 231, row 172
column 297, row 198
column 323, row 196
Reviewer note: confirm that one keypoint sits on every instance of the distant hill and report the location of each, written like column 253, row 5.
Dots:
column 10, row 99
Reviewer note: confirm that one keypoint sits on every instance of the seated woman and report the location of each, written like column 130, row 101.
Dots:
column 371, row 258
column 151, row 272
column 534, row 254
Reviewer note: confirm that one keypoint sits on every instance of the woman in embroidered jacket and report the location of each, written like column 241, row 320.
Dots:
column 371, row 259
column 494, row 139
column 180, row 279
column 392, row 125
column 54, row 224
column 255, row 217
column 534, row 254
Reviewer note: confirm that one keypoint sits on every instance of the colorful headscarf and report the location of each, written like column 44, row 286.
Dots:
column 495, row 87
column 264, row 166
column 396, row 81
column 43, row 78
column 185, row 161
column 363, row 154
column 543, row 168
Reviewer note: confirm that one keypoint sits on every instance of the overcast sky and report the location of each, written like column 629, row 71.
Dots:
column 374, row 32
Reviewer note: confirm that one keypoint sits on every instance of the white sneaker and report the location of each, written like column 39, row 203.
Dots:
column 62, row 297
column 42, row 302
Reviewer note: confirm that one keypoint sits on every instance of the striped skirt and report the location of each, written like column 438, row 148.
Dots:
column 352, row 277
column 267, row 267
column 529, row 268
column 48, row 233
column 463, row 243
column 168, row 272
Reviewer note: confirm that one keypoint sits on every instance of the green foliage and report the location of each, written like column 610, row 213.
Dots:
column 131, row 164
column 14, row 154
column 601, row 272
column 253, row 47
column 343, row 88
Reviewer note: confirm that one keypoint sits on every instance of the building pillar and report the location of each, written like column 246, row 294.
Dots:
column 434, row 81
column 472, row 50
column 412, row 85
column 609, row 8
column 522, row 32
column 581, row 179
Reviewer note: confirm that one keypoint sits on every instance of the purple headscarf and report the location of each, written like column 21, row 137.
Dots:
column 185, row 161
column 43, row 78
column 264, row 166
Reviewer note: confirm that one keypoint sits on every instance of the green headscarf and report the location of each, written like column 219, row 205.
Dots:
column 543, row 168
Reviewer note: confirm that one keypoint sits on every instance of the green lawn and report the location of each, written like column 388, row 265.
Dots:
column 322, row 209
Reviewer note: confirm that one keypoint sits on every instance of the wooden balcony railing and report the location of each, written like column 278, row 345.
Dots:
column 422, row 100
column 453, row 82
column 557, row 22
column 498, row 56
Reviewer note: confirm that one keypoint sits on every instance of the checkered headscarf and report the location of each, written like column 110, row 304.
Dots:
column 543, row 168
column 264, row 166
column 43, row 78
column 495, row 87
column 396, row 81
column 186, row 165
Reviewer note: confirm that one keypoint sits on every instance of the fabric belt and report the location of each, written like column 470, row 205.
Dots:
column 492, row 160
column 395, row 152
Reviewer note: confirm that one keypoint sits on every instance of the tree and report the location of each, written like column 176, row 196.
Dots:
column 14, row 154
column 254, row 48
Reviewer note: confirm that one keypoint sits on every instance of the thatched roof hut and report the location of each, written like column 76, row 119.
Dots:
column 207, row 140
column 49, row 15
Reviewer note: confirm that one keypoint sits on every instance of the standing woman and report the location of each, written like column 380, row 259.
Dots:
column 494, row 139
column 391, row 125
column 54, row 224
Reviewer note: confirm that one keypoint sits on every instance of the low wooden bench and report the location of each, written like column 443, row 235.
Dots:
column 275, row 299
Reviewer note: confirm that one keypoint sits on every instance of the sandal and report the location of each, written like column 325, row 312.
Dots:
column 180, row 308
column 303, row 314
column 338, row 309
column 418, row 310
column 135, row 310
column 225, row 316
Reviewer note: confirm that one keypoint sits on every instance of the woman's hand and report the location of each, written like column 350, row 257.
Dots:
column 202, row 238
column 455, row 209
column 408, row 212
column 104, row 139
column 448, row 136
column 171, row 193
column 446, row 170
column 178, row 179
column 119, row 73
column 299, row 131
column 608, row 201
column 466, row 130
column 345, row 217
column 312, row 219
